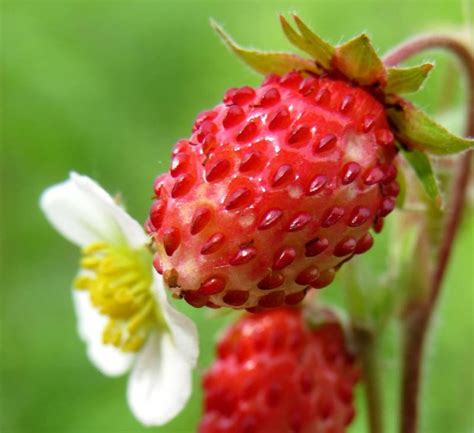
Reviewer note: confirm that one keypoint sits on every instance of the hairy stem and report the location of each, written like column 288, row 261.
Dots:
column 367, row 348
column 433, row 41
column 418, row 319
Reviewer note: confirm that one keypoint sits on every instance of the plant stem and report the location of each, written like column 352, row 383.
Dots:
column 415, row 329
column 367, row 349
column 419, row 317
column 432, row 41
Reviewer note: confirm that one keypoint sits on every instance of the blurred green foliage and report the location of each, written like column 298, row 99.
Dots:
column 106, row 88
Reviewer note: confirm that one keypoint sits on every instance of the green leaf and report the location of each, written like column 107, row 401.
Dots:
column 417, row 130
column 407, row 80
column 309, row 42
column 265, row 62
column 421, row 165
column 358, row 61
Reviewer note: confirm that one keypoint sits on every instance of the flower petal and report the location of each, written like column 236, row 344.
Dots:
column 83, row 212
column 161, row 381
column 182, row 328
column 90, row 324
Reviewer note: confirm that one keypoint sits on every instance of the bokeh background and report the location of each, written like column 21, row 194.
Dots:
column 106, row 88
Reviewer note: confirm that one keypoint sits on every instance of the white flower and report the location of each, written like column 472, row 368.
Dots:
column 123, row 313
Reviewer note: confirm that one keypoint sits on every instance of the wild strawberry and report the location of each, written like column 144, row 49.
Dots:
column 274, row 374
column 274, row 190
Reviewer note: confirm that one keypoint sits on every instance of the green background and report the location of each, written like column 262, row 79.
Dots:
column 106, row 88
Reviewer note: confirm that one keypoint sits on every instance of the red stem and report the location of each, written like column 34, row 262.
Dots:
column 417, row 322
column 432, row 41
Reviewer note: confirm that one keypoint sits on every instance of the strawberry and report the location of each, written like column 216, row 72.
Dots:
column 275, row 189
column 274, row 374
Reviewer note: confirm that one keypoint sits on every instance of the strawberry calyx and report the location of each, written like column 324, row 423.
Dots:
column 357, row 61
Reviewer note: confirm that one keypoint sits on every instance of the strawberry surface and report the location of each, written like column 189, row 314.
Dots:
column 274, row 190
column 275, row 375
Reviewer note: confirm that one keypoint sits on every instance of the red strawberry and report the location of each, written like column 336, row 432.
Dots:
column 275, row 189
column 275, row 375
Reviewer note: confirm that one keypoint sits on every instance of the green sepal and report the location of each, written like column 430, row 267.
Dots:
column 406, row 270
column 370, row 302
column 320, row 51
column 266, row 62
column 417, row 130
column 407, row 80
column 358, row 61
column 402, row 195
column 421, row 165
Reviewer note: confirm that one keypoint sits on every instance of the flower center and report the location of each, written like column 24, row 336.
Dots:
column 118, row 280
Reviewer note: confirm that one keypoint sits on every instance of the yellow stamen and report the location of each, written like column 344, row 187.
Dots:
column 90, row 262
column 127, row 279
column 123, row 296
column 118, row 280
column 94, row 247
column 114, row 265
column 83, row 282
column 137, row 321
column 134, row 343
